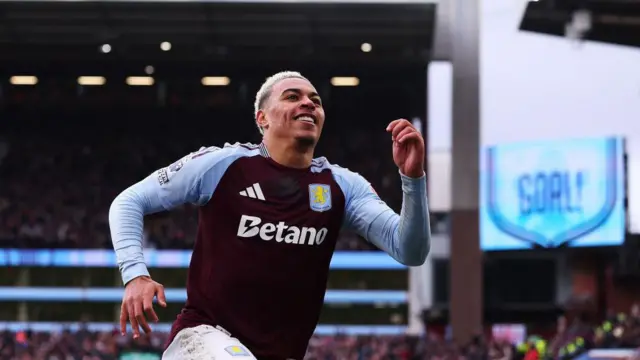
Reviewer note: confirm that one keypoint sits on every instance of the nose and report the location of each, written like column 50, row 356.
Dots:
column 307, row 103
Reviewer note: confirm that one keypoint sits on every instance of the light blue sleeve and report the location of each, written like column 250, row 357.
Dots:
column 192, row 179
column 406, row 237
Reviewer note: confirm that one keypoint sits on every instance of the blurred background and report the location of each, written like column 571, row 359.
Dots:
column 531, row 113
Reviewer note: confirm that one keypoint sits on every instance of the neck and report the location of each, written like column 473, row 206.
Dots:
column 289, row 153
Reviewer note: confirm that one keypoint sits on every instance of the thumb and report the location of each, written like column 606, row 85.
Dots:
column 162, row 300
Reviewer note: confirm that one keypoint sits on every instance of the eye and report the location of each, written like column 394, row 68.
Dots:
column 292, row 97
column 317, row 101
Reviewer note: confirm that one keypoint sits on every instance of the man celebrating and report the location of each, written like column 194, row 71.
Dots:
column 269, row 218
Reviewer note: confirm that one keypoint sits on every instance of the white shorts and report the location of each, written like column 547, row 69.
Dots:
column 206, row 342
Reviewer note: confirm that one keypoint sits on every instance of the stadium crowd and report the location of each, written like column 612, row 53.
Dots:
column 57, row 193
column 570, row 340
column 85, row 345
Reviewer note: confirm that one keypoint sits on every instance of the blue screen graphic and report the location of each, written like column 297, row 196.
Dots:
column 550, row 194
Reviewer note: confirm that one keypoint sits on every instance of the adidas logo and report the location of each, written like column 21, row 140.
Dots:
column 254, row 191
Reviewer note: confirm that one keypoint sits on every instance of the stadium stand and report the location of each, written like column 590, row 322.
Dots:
column 617, row 337
column 68, row 207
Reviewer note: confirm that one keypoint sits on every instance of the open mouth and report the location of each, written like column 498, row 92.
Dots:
column 306, row 118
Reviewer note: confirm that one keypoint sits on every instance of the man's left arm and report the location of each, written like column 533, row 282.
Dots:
column 406, row 237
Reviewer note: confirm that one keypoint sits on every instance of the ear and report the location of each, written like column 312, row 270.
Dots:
column 261, row 120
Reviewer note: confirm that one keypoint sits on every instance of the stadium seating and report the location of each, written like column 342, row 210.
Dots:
column 67, row 151
column 618, row 337
column 67, row 207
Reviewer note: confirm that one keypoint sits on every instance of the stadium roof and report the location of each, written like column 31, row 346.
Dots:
column 612, row 21
column 215, row 31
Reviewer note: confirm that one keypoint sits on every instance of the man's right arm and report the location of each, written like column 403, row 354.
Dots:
column 192, row 179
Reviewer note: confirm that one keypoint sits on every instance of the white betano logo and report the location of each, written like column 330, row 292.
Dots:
column 251, row 226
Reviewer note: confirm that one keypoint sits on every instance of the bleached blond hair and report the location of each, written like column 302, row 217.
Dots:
column 267, row 87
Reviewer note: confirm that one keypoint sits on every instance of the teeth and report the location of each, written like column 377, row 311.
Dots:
column 306, row 118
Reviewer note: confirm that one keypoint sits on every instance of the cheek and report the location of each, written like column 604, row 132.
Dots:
column 277, row 119
column 282, row 118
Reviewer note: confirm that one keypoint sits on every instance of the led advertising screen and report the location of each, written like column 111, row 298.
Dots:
column 550, row 194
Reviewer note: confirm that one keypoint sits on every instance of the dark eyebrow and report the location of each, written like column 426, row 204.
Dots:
column 299, row 92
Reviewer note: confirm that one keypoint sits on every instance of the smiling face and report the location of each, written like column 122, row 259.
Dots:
column 293, row 110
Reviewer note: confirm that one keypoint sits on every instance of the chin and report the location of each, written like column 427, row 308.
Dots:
column 306, row 140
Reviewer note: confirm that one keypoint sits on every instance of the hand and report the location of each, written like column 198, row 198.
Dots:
column 138, row 301
column 408, row 148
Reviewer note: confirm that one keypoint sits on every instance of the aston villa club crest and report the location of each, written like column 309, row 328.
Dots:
column 552, row 194
column 319, row 197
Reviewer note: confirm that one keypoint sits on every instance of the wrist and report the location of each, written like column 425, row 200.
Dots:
column 139, row 278
column 132, row 271
column 415, row 174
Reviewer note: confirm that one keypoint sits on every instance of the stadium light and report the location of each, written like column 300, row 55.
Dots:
column 23, row 80
column 165, row 46
column 91, row 80
column 366, row 47
column 215, row 81
column 106, row 48
column 140, row 81
column 345, row 81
